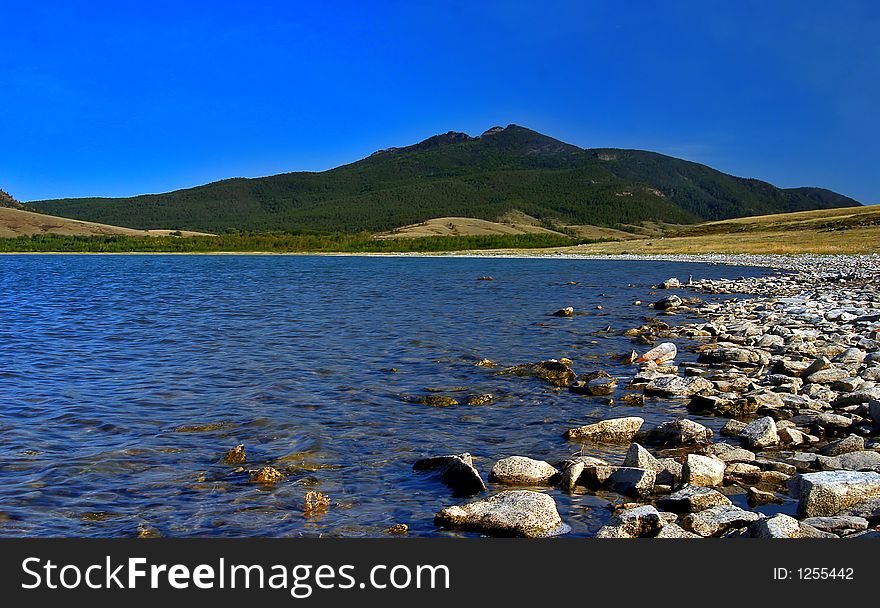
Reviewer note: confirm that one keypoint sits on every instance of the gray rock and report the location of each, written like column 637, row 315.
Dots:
column 691, row 499
column 672, row 530
column 867, row 509
column 670, row 472
column 820, row 364
column 760, row 433
column 862, row 396
column 676, row 386
column 732, row 428
column 728, row 453
column 864, row 460
column 852, row 443
column 632, row 481
column 571, row 475
column 851, row 355
column 511, row 513
column 840, row 524
column 827, row 376
column 640, row 458
column 703, row 471
column 831, row 492
column 715, row 520
column 675, row 433
column 519, row 470
column 670, row 283
column 614, row 430
column 640, row 521
column 778, row 526
column 734, row 355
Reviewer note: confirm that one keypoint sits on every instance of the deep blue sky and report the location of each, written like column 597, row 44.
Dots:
column 116, row 98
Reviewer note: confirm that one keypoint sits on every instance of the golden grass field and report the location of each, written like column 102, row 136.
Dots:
column 15, row 222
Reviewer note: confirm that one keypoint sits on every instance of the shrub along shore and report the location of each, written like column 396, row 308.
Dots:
column 283, row 242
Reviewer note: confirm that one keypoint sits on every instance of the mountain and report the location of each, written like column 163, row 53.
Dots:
column 453, row 174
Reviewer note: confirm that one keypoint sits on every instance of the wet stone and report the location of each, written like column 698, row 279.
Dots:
column 511, row 513
column 519, row 470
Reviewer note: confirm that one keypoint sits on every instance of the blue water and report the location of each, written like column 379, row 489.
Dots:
column 105, row 360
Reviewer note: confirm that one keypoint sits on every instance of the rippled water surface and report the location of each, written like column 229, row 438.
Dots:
column 124, row 380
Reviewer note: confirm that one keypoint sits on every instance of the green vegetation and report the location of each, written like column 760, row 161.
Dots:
column 275, row 243
column 453, row 174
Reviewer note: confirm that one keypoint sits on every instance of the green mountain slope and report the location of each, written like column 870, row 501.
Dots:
column 453, row 174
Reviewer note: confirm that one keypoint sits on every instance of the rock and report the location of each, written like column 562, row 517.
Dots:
column 862, row 396
column 669, row 473
column 661, row 353
column 640, row 458
column 715, row 520
column 852, row 443
column 728, row 453
column 734, row 355
column 791, row 437
column 691, row 499
column 668, row 303
column 568, row 311
column 702, row 471
column 867, row 509
column 675, row 386
column 462, row 476
column 732, row 428
column 614, row 430
column 864, row 460
column 839, row 524
column 778, row 526
column 609, row 531
column 266, row 475
column 485, row 363
column 827, row 376
column 874, row 412
column 456, row 471
column 510, row 513
column 851, row 355
column 601, row 386
column 672, row 530
column 631, row 481
column 670, row 283
column 822, row 363
column 571, row 475
column 675, row 433
column 557, row 373
column 639, row 521
column 236, row 455
column 633, row 399
column 484, row 399
column 437, row 400
column 831, row 492
column 399, row 529
column 519, row 470
column 758, row 497
column 760, row 433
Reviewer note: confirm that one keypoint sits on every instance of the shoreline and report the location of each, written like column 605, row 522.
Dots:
column 795, row 371
column 791, row 262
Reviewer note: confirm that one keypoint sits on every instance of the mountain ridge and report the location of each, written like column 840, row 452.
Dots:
column 454, row 174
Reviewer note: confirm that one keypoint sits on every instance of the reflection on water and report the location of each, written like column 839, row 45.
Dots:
column 125, row 379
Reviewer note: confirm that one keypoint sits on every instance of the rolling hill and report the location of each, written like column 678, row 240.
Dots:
column 503, row 171
column 15, row 222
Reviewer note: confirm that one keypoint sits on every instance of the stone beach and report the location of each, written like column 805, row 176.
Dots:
column 794, row 367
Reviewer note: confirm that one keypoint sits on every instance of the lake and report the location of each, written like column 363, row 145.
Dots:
column 125, row 379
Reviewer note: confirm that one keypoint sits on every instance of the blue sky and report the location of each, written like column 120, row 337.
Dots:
column 115, row 99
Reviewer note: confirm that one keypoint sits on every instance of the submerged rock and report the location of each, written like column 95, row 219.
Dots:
column 267, row 475
column 519, row 470
column 456, row 471
column 484, row 399
column 511, row 513
column 236, row 455
column 437, row 400
column 557, row 373
column 568, row 311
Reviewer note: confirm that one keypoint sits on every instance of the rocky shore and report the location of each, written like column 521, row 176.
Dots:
column 793, row 368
